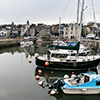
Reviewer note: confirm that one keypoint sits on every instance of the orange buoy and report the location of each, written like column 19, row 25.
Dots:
column 39, row 71
column 37, row 77
column 41, row 82
column 53, row 92
column 52, row 72
column 30, row 61
column 46, row 63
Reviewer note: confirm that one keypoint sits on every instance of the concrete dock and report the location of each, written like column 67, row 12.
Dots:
column 9, row 42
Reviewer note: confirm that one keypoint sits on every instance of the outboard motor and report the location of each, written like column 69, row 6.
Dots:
column 60, row 82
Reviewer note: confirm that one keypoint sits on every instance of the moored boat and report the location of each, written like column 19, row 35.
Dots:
column 84, row 83
column 26, row 42
column 66, row 62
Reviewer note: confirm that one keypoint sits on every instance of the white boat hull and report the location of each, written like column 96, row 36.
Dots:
column 82, row 91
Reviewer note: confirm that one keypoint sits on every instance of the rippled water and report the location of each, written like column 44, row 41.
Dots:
column 17, row 76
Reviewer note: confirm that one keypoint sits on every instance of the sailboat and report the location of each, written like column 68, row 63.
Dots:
column 69, row 45
column 63, row 61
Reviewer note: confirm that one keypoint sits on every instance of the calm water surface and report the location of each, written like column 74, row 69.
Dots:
column 17, row 76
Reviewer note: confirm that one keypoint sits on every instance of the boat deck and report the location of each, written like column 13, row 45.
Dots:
column 70, row 58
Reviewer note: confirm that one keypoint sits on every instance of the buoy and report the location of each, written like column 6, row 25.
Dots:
column 66, row 76
column 53, row 92
column 46, row 63
column 39, row 71
column 52, row 72
column 37, row 77
column 30, row 61
column 41, row 82
column 73, row 75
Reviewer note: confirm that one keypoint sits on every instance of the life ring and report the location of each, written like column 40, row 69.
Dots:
column 74, row 64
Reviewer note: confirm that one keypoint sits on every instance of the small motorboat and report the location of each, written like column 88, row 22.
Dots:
column 84, row 83
column 26, row 42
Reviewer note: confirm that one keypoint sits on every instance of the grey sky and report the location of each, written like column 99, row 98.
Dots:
column 44, row 11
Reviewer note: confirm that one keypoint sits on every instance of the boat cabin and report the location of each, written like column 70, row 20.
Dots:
column 60, row 53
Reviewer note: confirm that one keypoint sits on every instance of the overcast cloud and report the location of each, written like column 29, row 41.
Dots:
column 45, row 11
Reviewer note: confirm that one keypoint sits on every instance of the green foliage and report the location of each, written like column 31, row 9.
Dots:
column 19, row 26
column 25, row 35
column 99, row 34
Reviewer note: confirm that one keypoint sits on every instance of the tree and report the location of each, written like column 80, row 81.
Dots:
column 19, row 26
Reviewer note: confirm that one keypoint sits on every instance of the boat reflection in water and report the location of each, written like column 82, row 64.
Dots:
column 51, row 76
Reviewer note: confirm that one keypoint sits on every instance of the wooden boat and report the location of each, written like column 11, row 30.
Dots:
column 84, row 83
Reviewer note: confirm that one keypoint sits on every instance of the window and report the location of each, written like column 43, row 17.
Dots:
column 97, row 82
column 71, row 28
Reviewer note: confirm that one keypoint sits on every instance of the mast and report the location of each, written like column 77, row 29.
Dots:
column 94, row 18
column 81, row 17
column 59, row 26
column 77, row 18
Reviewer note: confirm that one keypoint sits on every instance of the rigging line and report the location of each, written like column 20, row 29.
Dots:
column 93, row 11
column 63, row 12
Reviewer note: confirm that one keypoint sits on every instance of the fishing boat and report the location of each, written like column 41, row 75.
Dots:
column 63, row 61
column 84, row 83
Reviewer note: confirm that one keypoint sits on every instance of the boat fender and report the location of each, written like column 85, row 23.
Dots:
column 37, row 77
column 41, row 82
column 73, row 75
column 46, row 63
column 53, row 92
column 66, row 76
column 39, row 71
column 30, row 61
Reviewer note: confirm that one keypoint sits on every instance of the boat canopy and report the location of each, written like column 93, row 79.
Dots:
column 75, row 47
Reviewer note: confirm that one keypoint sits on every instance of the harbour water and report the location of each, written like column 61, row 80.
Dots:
column 17, row 76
